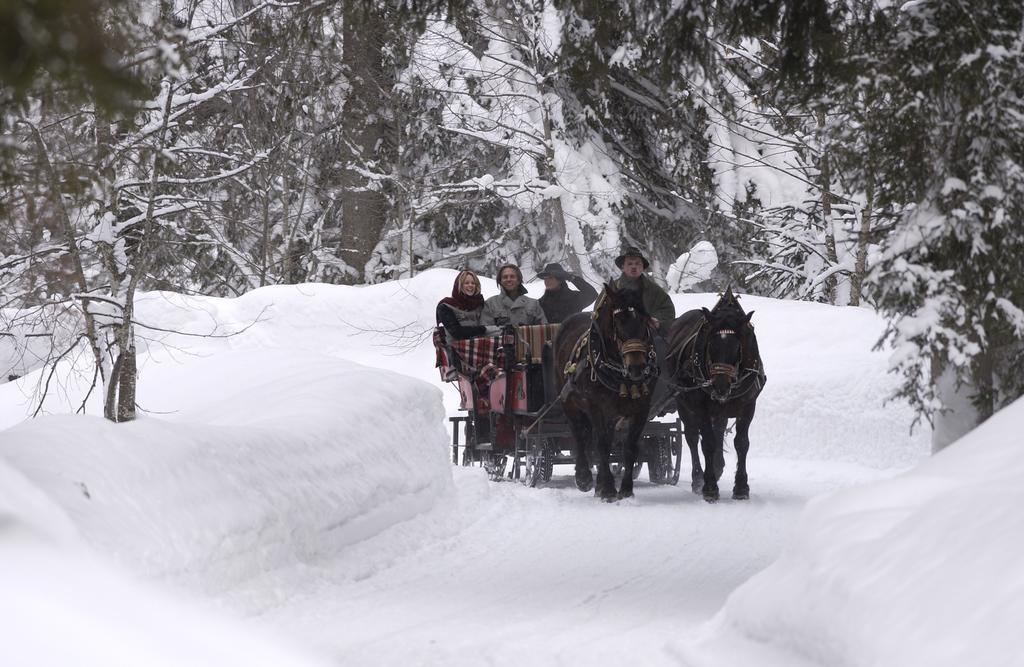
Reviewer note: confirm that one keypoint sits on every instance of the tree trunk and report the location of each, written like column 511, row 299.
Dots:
column 552, row 208
column 364, row 208
column 125, row 381
column 959, row 415
column 826, row 212
column 265, row 232
column 110, row 397
column 859, row 268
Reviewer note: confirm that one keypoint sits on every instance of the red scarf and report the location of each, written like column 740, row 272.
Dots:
column 464, row 301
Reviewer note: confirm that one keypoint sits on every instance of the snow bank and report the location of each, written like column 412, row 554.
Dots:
column 269, row 458
column 922, row 569
column 258, row 453
column 63, row 606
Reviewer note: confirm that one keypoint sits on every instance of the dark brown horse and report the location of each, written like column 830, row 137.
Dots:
column 715, row 365
column 606, row 367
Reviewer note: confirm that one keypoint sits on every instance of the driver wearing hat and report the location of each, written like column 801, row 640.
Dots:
column 559, row 302
column 656, row 301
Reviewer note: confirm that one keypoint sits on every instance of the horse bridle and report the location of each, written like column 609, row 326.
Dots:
column 614, row 375
column 631, row 345
column 728, row 370
column 731, row 371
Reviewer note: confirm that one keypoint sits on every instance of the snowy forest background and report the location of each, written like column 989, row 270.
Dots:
column 852, row 152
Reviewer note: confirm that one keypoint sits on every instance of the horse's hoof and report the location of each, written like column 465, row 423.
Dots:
column 711, row 499
column 741, row 494
column 697, row 487
column 624, row 494
column 584, row 482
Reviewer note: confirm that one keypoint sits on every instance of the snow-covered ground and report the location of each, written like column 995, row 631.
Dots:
column 290, row 485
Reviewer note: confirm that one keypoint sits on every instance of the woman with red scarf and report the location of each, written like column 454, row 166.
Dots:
column 460, row 313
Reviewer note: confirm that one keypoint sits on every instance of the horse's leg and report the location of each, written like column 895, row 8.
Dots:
column 741, row 490
column 603, row 434
column 691, row 430
column 630, row 453
column 718, row 464
column 582, row 433
column 710, row 444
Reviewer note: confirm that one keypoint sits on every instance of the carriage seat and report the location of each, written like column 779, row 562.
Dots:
column 530, row 340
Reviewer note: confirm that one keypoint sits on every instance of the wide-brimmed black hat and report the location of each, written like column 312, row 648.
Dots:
column 631, row 251
column 554, row 270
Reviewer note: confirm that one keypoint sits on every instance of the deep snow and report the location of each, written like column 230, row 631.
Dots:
column 295, row 475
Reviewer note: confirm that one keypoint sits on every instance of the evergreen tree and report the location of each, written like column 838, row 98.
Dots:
column 947, row 101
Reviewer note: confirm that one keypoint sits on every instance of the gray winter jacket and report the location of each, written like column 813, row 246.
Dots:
column 522, row 310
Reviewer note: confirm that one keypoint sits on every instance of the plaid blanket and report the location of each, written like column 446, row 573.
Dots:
column 475, row 354
column 442, row 362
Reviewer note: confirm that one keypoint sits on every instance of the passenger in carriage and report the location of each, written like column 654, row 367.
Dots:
column 461, row 314
column 558, row 301
column 512, row 306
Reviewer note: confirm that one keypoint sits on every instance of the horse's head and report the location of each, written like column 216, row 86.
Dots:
column 623, row 321
column 727, row 330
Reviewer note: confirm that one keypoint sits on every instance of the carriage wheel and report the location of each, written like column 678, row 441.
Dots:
column 531, row 469
column 548, row 466
column 659, row 460
column 537, row 464
column 469, row 453
column 676, row 447
column 495, row 465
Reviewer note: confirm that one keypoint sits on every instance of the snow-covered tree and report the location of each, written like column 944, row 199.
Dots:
column 489, row 161
column 117, row 195
column 947, row 94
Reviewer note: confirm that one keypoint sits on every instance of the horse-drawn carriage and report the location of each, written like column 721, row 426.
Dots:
column 513, row 423
column 530, row 398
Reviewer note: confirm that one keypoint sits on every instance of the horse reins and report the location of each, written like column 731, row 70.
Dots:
column 613, row 375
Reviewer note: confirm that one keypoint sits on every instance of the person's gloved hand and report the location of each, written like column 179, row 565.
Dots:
column 492, row 330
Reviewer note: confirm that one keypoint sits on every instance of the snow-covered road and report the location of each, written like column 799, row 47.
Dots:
column 505, row 575
column 297, row 475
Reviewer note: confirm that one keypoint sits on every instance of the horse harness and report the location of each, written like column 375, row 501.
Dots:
column 693, row 365
column 612, row 374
